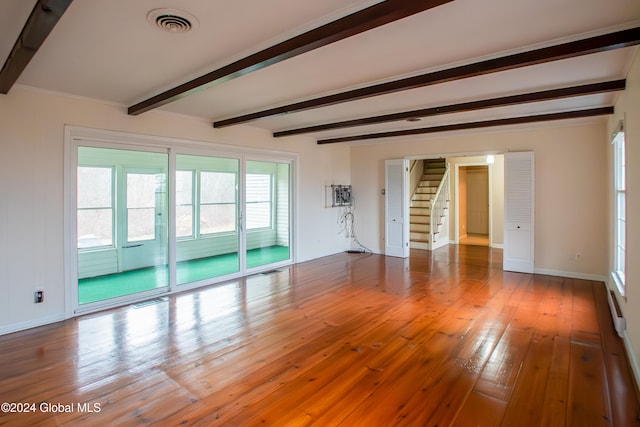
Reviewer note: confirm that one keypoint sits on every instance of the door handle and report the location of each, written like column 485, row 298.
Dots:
column 132, row 246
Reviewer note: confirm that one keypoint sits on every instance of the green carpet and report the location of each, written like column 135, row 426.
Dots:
column 99, row 288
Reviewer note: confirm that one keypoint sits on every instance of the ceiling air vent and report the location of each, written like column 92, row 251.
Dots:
column 172, row 20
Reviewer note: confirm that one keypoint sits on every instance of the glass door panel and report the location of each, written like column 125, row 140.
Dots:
column 207, row 231
column 144, row 226
column 122, row 225
column 267, row 213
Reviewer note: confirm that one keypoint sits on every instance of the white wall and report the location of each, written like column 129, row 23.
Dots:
column 571, row 176
column 628, row 108
column 31, row 188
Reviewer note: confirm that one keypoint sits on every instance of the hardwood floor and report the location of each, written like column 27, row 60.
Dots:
column 475, row 239
column 443, row 338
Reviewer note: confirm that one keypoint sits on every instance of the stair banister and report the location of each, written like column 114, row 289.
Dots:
column 438, row 205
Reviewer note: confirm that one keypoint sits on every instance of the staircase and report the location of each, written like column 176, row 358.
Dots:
column 420, row 228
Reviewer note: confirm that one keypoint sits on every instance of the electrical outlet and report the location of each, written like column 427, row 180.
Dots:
column 39, row 297
column 578, row 256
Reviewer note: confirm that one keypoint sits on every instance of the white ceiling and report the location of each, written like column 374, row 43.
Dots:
column 108, row 51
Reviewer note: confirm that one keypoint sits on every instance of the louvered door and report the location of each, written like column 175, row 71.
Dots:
column 519, row 186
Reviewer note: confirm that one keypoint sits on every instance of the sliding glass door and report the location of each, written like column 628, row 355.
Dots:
column 150, row 220
column 121, row 222
column 207, row 231
column 266, row 211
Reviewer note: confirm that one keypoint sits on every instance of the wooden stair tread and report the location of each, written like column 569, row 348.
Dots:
column 424, row 193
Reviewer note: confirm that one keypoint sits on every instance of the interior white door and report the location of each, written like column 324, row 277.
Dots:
column 396, row 230
column 519, row 196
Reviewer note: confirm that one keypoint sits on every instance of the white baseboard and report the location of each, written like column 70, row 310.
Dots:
column 333, row 252
column 439, row 244
column 635, row 367
column 16, row 327
column 571, row 274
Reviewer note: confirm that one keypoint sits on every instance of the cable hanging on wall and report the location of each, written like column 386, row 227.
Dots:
column 346, row 219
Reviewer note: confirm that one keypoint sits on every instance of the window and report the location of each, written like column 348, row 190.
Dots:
column 184, row 204
column 258, row 201
column 619, row 256
column 95, row 207
column 217, row 202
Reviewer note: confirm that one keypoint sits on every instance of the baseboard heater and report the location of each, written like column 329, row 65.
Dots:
column 619, row 321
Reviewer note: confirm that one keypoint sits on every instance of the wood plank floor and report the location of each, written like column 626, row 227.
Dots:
column 443, row 338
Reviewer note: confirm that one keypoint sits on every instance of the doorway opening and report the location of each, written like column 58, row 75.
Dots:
column 473, row 205
column 477, row 206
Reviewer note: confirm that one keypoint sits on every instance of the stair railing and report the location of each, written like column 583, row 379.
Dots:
column 439, row 204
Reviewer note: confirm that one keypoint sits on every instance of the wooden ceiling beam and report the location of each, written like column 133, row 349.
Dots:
column 602, row 43
column 475, row 125
column 350, row 25
column 545, row 95
column 43, row 18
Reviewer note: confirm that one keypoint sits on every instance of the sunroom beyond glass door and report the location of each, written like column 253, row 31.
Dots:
column 207, row 231
column 267, row 212
column 122, row 223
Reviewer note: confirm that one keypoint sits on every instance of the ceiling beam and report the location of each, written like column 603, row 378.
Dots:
column 475, row 125
column 545, row 95
column 602, row 43
column 350, row 25
column 43, row 19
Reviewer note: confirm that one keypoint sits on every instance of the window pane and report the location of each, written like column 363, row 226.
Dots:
column 184, row 221
column 95, row 216
column 258, row 201
column 140, row 224
column 94, row 187
column 621, row 205
column 141, row 190
column 258, row 188
column 621, row 143
column 217, row 218
column 258, row 215
column 184, row 187
column 217, row 187
column 95, row 228
column 620, row 236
